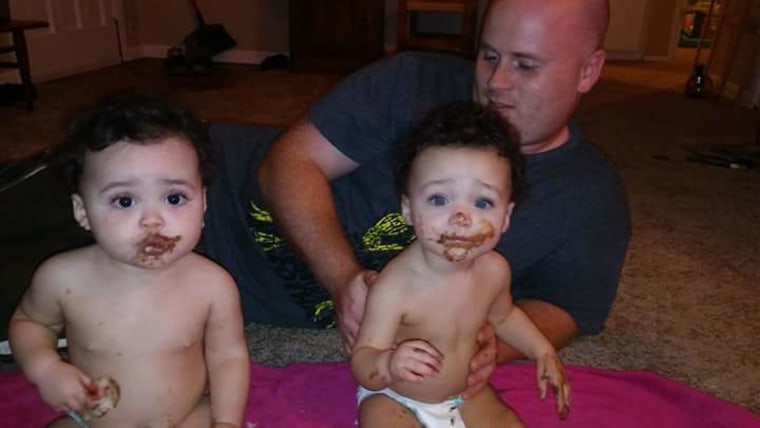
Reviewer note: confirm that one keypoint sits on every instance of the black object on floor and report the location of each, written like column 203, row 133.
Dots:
column 731, row 156
column 207, row 40
column 10, row 94
column 14, row 173
column 275, row 62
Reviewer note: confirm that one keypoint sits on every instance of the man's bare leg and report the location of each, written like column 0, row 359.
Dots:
column 379, row 411
column 486, row 410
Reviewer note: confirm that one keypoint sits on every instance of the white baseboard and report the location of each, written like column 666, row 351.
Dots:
column 624, row 56
column 232, row 56
column 656, row 58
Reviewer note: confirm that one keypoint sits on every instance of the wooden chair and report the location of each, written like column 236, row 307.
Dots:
column 410, row 38
column 18, row 47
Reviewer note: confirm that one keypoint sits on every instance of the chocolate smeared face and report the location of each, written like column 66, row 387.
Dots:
column 458, row 201
column 457, row 247
column 152, row 247
column 144, row 203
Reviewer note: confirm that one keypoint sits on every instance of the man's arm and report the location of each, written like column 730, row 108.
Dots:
column 556, row 324
column 295, row 183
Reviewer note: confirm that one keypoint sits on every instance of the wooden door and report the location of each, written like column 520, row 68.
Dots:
column 335, row 35
column 627, row 30
column 82, row 35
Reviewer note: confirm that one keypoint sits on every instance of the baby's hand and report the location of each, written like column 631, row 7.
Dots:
column 103, row 396
column 413, row 360
column 65, row 387
column 550, row 372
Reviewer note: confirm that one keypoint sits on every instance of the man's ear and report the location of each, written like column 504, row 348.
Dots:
column 205, row 205
column 592, row 70
column 80, row 213
column 508, row 216
column 406, row 211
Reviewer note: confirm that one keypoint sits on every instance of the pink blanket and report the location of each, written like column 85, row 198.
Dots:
column 322, row 396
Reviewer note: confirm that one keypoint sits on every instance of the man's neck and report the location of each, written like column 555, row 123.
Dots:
column 548, row 144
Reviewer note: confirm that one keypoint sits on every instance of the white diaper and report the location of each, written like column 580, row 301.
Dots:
column 430, row 415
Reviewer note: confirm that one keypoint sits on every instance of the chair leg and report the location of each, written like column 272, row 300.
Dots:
column 402, row 30
column 22, row 57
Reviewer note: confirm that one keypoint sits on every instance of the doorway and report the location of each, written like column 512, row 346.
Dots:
column 83, row 35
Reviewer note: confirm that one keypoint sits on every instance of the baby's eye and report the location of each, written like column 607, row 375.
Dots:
column 176, row 199
column 123, row 201
column 483, row 203
column 437, row 200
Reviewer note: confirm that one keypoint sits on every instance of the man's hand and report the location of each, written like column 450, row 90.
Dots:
column 483, row 362
column 349, row 306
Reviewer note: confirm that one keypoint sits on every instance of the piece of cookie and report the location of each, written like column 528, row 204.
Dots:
column 107, row 394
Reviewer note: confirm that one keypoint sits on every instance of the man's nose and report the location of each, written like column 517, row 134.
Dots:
column 460, row 218
column 501, row 79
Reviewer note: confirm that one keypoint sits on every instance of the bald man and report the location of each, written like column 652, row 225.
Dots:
column 319, row 216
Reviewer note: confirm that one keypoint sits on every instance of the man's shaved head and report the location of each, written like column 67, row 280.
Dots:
column 535, row 60
column 591, row 16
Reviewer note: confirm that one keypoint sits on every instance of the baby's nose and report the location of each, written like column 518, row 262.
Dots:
column 152, row 219
column 460, row 218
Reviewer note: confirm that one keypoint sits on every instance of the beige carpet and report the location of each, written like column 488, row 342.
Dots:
column 689, row 300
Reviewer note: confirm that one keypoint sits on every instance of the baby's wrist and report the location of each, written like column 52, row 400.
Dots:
column 41, row 368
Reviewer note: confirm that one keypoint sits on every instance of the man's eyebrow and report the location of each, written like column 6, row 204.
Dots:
column 520, row 55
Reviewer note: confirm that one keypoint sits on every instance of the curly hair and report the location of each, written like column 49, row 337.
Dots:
column 136, row 119
column 462, row 125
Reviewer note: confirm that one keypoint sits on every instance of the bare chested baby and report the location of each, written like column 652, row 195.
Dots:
column 138, row 306
column 459, row 174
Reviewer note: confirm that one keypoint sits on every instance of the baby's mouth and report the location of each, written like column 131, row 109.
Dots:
column 154, row 245
column 456, row 241
column 457, row 248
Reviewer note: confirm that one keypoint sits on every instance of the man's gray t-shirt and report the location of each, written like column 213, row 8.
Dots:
column 567, row 238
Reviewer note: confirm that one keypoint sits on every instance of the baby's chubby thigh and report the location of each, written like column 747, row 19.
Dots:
column 380, row 411
column 64, row 422
column 199, row 417
column 486, row 410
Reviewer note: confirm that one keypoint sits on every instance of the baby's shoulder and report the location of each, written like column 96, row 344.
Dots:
column 67, row 265
column 202, row 270
column 494, row 265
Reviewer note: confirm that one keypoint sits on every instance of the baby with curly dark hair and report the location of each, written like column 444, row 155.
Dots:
column 458, row 176
column 150, row 324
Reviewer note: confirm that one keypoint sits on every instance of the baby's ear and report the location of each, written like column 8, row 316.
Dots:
column 406, row 211
column 508, row 216
column 80, row 213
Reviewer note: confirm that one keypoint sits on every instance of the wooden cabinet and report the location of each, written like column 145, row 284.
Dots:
column 335, row 35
